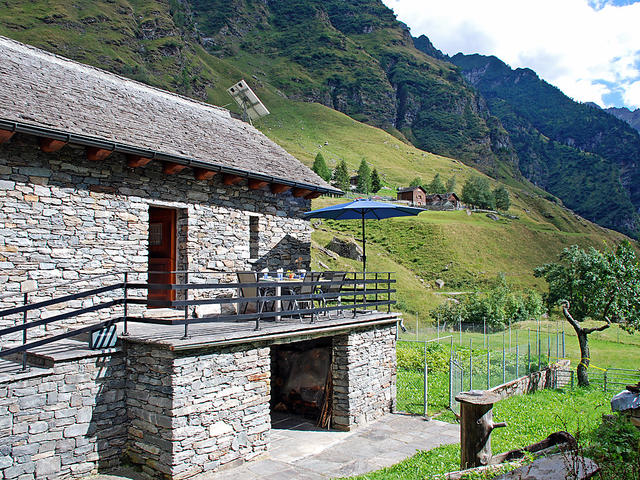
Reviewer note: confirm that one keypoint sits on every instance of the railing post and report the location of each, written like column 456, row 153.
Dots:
column 605, row 381
column 24, row 333
column 571, row 379
column 376, row 296
column 186, row 307
column 125, row 303
column 389, row 292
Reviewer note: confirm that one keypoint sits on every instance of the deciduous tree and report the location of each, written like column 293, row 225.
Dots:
column 593, row 285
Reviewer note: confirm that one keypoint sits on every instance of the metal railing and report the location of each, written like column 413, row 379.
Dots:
column 358, row 293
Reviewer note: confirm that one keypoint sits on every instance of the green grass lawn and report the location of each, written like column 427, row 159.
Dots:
column 530, row 419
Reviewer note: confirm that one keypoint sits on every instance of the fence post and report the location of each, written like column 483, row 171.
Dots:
column 605, row 381
column 504, row 367
column 25, row 314
column 451, row 381
column 488, row 369
column 563, row 352
column 470, row 364
column 528, row 351
column 426, row 387
column 571, row 379
column 460, row 327
column 517, row 358
column 484, row 333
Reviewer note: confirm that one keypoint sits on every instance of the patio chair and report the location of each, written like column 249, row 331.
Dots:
column 308, row 287
column 333, row 290
column 251, row 307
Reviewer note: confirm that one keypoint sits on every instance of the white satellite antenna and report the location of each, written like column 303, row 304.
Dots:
column 252, row 107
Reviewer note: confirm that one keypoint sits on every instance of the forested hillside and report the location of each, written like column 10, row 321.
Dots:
column 579, row 153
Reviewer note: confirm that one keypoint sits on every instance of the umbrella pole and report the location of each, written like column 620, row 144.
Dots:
column 364, row 249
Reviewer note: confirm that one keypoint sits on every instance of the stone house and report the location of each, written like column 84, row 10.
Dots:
column 101, row 175
column 442, row 201
column 414, row 195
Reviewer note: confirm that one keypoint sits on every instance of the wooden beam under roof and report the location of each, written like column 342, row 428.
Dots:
column 301, row 192
column 203, row 174
column 5, row 135
column 171, row 168
column 255, row 184
column 96, row 154
column 312, row 195
column 230, row 179
column 135, row 161
column 279, row 188
column 50, row 145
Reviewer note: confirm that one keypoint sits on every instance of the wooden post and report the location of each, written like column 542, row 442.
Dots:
column 476, row 425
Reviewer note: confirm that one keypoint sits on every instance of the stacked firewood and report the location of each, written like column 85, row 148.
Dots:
column 327, row 405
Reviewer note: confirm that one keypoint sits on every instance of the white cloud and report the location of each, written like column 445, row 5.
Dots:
column 632, row 95
column 573, row 44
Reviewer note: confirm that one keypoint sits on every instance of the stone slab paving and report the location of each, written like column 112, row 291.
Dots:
column 302, row 452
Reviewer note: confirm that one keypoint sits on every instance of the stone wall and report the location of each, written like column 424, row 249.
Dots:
column 553, row 376
column 64, row 218
column 65, row 421
column 194, row 413
column 364, row 376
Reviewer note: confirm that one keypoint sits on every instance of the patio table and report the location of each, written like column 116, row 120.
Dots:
column 278, row 289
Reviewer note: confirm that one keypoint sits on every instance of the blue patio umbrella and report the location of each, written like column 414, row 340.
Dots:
column 363, row 209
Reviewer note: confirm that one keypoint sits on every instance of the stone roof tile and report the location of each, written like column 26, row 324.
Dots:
column 45, row 90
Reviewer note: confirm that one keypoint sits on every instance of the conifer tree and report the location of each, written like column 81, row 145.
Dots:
column 416, row 182
column 376, row 183
column 451, row 184
column 364, row 177
column 436, row 185
column 341, row 176
column 501, row 195
column 320, row 167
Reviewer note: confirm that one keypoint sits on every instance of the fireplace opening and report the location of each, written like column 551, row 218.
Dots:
column 301, row 380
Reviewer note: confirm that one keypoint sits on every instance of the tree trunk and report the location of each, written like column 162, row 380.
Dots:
column 583, row 366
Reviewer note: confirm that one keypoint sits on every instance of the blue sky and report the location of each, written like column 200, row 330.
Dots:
column 590, row 49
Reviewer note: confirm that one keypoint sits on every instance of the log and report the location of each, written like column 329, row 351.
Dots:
column 135, row 161
column 557, row 438
column 279, row 188
column 476, row 425
column 203, row 174
column 5, row 135
column 96, row 154
column 49, row 145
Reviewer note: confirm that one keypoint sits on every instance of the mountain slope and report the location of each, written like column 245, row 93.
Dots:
column 577, row 152
column 158, row 43
column 631, row 117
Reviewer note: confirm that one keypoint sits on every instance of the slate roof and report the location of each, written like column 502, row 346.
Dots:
column 40, row 90
column 410, row 189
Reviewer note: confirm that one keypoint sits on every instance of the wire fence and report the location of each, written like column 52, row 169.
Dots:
column 434, row 370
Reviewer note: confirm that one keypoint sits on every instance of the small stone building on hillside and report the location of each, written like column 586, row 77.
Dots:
column 103, row 180
column 442, row 201
column 415, row 195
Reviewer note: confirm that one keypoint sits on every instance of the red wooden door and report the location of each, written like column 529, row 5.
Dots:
column 162, row 251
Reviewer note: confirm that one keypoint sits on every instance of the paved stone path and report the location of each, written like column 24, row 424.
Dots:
column 302, row 452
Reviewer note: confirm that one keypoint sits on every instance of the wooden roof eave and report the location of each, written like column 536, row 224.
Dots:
column 96, row 143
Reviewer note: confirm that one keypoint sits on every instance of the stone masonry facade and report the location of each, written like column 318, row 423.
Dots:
column 65, row 218
column 364, row 376
column 175, row 414
column 193, row 413
column 65, row 421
